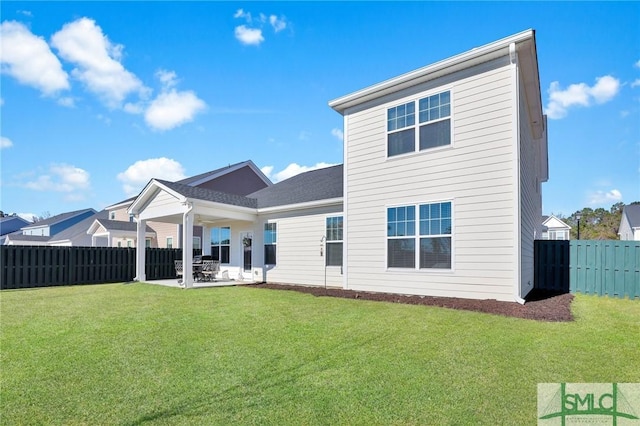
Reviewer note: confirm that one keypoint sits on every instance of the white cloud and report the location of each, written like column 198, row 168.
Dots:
column 83, row 43
column 67, row 101
column 605, row 89
column 27, row 216
column 338, row 134
column 249, row 36
column 167, row 78
column 62, row 178
column 27, row 58
column 172, row 109
column 637, row 64
column 267, row 170
column 278, row 24
column 597, row 198
column 141, row 172
column 5, row 142
column 636, row 82
column 252, row 34
column 292, row 170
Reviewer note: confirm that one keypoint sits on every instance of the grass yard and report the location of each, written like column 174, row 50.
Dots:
column 145, row 354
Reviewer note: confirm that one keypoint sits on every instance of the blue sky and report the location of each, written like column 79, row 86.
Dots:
column 97, row 98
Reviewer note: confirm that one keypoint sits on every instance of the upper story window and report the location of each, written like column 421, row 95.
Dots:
column 434, row 124
column 334, row 233
column 112, row 215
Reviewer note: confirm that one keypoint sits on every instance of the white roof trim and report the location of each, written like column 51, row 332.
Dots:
column 429, row 72
column 300, row 206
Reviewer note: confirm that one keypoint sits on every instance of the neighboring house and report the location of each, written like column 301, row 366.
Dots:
column 41, row 232
column 630, row 223
column 439, row 195
column 76, row 235
column 554, row 229
column 10, row 224
column 120, row 228
column 116, row 233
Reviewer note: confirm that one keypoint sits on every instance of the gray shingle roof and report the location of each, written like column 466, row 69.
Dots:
column 209, row 194
column 121, row 225
column 633, row 214
column 315, row 185
column 80, row 227
column 57, row 218
column 18, row 236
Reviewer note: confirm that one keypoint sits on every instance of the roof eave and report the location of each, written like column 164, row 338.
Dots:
column 301, row 206
column 430, row 72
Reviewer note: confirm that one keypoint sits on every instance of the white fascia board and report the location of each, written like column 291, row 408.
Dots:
column 94, row 227
column 148, row 192
column 446, row 66
column 301, row 206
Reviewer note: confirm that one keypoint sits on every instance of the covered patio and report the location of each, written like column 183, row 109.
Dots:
column 175, row 203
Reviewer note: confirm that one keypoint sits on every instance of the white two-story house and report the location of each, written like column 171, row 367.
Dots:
column 443, row 169
column 439, row 193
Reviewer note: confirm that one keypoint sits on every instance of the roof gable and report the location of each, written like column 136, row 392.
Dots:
column 553, row 222
column 632, row 212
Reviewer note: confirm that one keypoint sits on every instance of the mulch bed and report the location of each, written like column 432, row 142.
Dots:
column 540, row 305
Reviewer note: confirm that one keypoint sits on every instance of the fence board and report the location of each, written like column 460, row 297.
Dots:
column 605, row 268
column 43, row 266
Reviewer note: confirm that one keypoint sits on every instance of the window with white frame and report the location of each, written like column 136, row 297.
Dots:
column 169, row 242
column 197, row 243
column 270, row 241
column 220, row 244
column 334, row 241
column 112, row 215
column 131, row 218
column 147, row 242
column 428, row 245
column 434, row 124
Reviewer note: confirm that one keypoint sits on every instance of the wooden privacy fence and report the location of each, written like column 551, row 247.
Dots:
column 607, row 267
column 43, row 266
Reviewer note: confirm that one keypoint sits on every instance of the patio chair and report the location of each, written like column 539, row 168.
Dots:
column 210, row 269
column 179, row 273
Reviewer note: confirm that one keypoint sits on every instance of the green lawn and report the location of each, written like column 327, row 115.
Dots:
column 145, row 354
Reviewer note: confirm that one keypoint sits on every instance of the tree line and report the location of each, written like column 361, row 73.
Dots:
column 595, row 224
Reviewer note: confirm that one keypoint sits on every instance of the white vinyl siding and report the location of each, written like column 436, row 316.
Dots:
column 530, row 197
column 477, row 172
column 300, row 256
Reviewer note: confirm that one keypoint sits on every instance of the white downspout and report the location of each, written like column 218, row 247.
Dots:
column 513, row 58
column 187, row 247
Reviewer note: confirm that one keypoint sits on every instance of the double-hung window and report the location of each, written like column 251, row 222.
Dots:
column 434, row 124
column 427, row 245
column 220, row 243
column 270, row 241
column 334, row 241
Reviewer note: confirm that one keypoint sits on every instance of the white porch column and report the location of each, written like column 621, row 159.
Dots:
column 187, row 247
column 206, row 240
column 140, row 251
